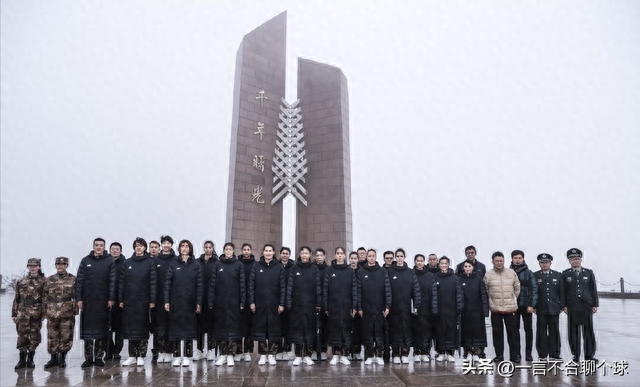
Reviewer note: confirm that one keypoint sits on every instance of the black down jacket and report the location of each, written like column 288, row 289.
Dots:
column 374, row 296
column 304, row 295
column 226, row 297
column 159, row 316
column 267, row 291
column 183, row 292
column 404, row 290
column 340, row 297
column 95, row 287
column 136, row 290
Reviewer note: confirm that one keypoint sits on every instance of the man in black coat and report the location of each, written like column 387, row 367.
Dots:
column 581, row 303
column 267, row 293
column 526, row 299
column 95, row 293
column 115, row 344
column 550, row 302
column 374, row 302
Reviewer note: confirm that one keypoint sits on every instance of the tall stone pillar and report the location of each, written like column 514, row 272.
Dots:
column 258, row 90
column 326, row 220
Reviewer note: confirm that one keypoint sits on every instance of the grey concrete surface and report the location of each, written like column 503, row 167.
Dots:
column 616, row 330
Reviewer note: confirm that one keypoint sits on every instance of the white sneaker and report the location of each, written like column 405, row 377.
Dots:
column 426, row 358
column 334, row 359
column 417, row 358
column 140, row 361
column 247, row 356
column 230, row 361
column 176, row 362
column 211, row 354
column 237, row 357
column 197, row 355
column 323, row 356
column 186, row 362
column 272, row 360
column 314, row 356
column 358, row 357
column 379, row 361
column 263, row 360
column 307, row 360
column 369, row 361
column 279, row 356
column 405, row 359
column 168, row 358
column 440, row 357
column 130, row 361
column 221, row 360
column 396, row 360
column 290, row 356
column 450, row 358
column 344, row 360
column 297, row 361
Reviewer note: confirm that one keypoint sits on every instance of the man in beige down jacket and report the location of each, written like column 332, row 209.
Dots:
column 503, row 288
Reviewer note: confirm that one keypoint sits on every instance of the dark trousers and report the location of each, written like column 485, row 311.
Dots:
column 116, row 342
column 210, row 341
column 548, row 335
column 513, row 334
column 528, row 328
column 179, row 352
column 581, row 319
column 356, row 324
column 386, row 353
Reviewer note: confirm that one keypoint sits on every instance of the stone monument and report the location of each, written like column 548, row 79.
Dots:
column 281, row 148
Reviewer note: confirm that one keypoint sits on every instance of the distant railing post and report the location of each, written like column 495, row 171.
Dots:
column 621, row 285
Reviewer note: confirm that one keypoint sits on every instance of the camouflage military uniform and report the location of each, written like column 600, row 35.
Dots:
column 28, row 310
column 60, row 311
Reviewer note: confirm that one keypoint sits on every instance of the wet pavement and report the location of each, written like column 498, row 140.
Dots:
column 618, row 352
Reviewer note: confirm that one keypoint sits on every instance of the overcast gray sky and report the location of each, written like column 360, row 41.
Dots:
column 500, row 124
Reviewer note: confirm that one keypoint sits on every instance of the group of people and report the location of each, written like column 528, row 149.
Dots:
column 226, row 303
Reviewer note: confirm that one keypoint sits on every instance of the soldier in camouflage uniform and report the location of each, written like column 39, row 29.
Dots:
column 27, row 313
column 60, row 312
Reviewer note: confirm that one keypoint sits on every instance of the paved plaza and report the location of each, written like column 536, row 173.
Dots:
column 616, row 326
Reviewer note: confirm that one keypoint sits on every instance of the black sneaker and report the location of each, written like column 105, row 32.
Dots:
column 516, row 359
column 99, row 362
column 87, row 363
column 498, row 359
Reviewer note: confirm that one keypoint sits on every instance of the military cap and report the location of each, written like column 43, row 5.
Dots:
column 33, row 261
column 574, row 253
column 63, row 260
column 544, row 257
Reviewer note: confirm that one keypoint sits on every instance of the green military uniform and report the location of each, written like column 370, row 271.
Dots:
column 27, row 312
column 60, row 311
